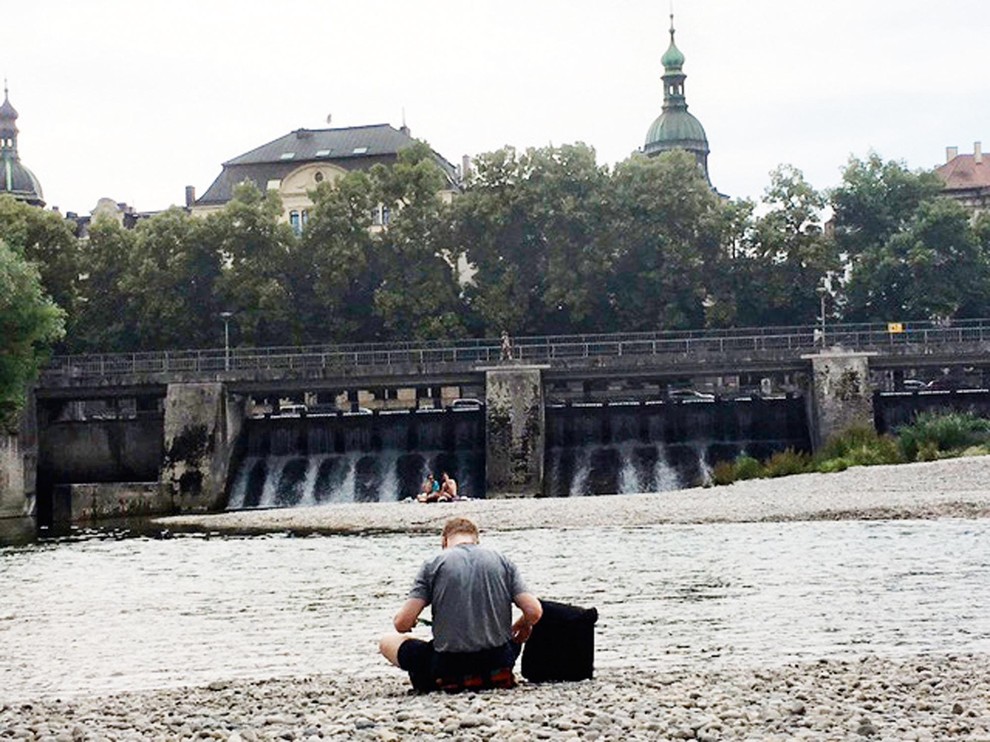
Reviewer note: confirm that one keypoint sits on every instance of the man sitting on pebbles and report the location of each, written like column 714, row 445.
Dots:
column 471, row 589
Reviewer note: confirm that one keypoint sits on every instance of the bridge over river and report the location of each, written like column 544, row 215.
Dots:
column 737, row 351
column 195, row 430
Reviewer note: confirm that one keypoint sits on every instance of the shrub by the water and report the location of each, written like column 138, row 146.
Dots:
column 748, row 468
column 724, row 472
column 787, row 462
column 932, row 434
column 858, row 446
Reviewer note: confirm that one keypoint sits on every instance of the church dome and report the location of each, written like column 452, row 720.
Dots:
column 673, row 58
column 676, row 129
column 7, row 111
column 15, row 178
column 20, row 182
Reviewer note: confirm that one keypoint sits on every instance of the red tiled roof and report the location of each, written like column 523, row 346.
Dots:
column 962, row 172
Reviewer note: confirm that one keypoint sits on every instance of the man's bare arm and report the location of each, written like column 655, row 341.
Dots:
column 532, row 611
column 405, row 619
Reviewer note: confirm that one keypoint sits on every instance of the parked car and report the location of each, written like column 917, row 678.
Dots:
column 466, row 403
column 911, row 385
column 292, row 410
column 689, row 395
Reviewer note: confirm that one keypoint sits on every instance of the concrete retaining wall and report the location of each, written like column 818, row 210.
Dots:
column 102, row 451
column 76, row 503
column 11, row 477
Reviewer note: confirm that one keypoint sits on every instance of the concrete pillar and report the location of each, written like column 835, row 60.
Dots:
column 840, row 396
column 11, row 477
column 202, row 425
column 18, row 465
column 514, row 431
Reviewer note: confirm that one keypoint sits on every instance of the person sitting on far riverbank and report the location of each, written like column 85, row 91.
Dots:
column 430, row 491
column 448, row 488
column 471, row 590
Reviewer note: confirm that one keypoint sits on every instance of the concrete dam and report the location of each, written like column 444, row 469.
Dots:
column 200, row 431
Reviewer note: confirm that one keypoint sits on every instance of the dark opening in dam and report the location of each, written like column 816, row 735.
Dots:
column 290, row 461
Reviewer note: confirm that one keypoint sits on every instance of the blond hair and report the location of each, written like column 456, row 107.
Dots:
column 460, row 525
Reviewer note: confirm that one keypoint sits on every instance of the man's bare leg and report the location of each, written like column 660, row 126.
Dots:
column 389, row 645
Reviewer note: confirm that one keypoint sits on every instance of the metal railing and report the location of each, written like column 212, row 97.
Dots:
column 562, row 350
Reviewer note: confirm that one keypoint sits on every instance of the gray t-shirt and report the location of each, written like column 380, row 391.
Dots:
column 471, row 590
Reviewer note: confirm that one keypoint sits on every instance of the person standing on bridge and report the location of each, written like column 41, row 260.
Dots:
column 506, row 346
column 471, row 590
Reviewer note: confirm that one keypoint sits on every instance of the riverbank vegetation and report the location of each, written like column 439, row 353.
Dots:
column 930, row 437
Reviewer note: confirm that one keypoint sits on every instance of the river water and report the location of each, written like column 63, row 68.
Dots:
column 105, row 612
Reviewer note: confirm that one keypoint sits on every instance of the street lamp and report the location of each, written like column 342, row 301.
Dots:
column 226, row 339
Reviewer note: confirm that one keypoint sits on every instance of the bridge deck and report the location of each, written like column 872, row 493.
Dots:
column 712, row 352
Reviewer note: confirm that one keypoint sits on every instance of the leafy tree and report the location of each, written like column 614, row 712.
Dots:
column 103, row 320
column 169, row 287
column 48, row 240
column 931, row 268
column 910, row 253
column 332, row 273
column 254, row 247
column 668, row 240
column 30, row 323
column 876, row 200
column 788, row 255
column 531, row 226
column 418, row 297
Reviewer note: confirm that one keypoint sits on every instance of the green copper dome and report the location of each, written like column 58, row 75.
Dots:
column 15, row 178
column 675, row 128
column 672, row 58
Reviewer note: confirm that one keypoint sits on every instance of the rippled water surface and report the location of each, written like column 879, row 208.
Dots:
column 100, row 614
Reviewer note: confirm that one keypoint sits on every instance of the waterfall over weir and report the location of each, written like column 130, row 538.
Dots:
column 590, row 450
column 290, row 461
column 625, row 449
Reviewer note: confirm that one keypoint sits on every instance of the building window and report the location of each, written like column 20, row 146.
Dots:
column 295, row 222
column 304, row 218
column 385, row 216
column 318, row 177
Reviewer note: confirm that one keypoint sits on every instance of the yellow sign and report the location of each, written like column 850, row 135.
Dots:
column 893, row 327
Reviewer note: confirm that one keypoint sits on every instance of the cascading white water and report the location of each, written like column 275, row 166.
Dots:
column 289, row 462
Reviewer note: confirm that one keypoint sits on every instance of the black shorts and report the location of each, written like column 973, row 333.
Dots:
column 454, row 671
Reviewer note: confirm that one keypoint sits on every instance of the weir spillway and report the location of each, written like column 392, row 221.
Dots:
column 591, row 450
column 290, row 461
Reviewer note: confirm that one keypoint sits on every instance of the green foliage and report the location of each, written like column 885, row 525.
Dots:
column 666, row 233
column 253, row 244
column 748, row 468
column 418, row 295
column 788, row 462
column 832, row 466
column 332, row 271
column 859, row 446
column 30, row 323
column 533, row 225
column 933, row 434
column 786, row 255
column 911, row 253
column 724, row 472
column 47, row 240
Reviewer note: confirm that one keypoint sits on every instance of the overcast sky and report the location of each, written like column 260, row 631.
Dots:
column 135, row 100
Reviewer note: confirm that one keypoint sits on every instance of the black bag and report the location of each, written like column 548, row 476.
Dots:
column 562, row 645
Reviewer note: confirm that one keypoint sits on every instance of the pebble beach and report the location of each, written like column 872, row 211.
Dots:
column 929, row 696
